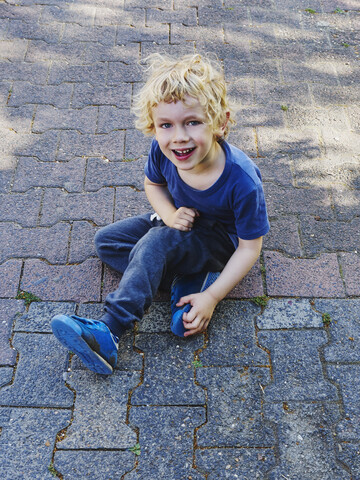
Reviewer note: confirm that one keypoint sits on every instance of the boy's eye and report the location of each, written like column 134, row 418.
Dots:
column 194, row 122
column 165, row 125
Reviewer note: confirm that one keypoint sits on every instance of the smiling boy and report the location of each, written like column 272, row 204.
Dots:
column 210, row 214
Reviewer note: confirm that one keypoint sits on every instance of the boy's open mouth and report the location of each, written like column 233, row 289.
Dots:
column 183, row 153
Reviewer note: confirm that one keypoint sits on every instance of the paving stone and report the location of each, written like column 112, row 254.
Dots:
column 82, row 242
column 350, row 263
column 246, row 140
column 348, row 429
column 276, row 240
column 166, row 440
column 102, row 173
column 4, row 92
column 112, row 118
column 85, row 94
column 325, row 95
column 331, row 117
column 284, row 313
column 268, row 92
column 38, row 380
column 350, row 455
column 232, row 336
column 25, row 13
column 120, row 73
column 13, row 50
column 17, row 119
column 296, row 367
column 318, row 236
column 6, row 374
column 106, row 15
column 237, row 69
column 49, row 243
column 29, row 31
column 128, row 358
column 69, row 54
column 27, row 441
column 209, row 15
column 305, row 443
column 282, row 200
column 28, row 72
column 43, row 146
column 166, row 358
column 288, row 141
column 100, row 411
column 136, row 144
column 282, row 174
column 104, row 35
column 234, row 416
column 186, row 16
column 250, row 116
column 156, row 32
column 38, row 317
column 10, row 272
column 344, row 329
column 157, row 319
column 94, row 206
column 345, row 202
column 31, row 172
column 9, row 309
column 79, row 283
column 250, row 286
column 23, row 93
column 109, row 146
column 130, row 202
column 301, row 277
column 95, row 73
column 48, row 117
column 341, row 148
column 235, row 463
column 77, row 465
column 15, row 208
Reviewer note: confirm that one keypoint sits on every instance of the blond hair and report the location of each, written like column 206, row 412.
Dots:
column 171, row 80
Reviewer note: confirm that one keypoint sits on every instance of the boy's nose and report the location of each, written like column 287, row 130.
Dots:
column 180, row 134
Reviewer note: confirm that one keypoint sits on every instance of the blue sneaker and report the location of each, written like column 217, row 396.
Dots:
column 91, row 340
column 184, row 285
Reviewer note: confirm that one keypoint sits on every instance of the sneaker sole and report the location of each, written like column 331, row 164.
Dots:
column 68, row 333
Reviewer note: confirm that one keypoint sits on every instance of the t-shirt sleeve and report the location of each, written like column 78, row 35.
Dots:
column 153, row 165
column 251, row 218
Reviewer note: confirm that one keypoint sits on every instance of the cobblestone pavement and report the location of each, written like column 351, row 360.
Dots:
column 272, row 390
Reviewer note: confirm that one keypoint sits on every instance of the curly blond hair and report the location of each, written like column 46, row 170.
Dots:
column 171, row 80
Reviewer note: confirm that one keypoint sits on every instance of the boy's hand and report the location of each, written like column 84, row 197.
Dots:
column 182, row 219
column 199, row 316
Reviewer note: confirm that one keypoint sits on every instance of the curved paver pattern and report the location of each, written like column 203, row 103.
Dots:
column 271, row 390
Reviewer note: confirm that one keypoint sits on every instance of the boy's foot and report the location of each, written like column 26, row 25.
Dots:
column 91, row 340
column 184, row 285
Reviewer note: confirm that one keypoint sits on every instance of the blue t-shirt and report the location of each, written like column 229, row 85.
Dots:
column 236, row 199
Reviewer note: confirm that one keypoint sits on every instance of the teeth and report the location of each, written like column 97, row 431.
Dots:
column 183, row 151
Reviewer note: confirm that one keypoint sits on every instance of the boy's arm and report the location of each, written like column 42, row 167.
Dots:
column 159, row 196
column 204, row 303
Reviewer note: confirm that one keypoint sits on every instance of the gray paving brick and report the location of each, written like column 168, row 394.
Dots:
column 79, row 33
column 155, row 32
column 130, row 202
column 21, row 208
column 268, row 92
column 34, row 173
column 4, row 92
column 120, row 73
column 340, row 150
column 305, row 443
column 25, row 13
column 234, row 416
column 331, row 117
column 245, row 139
column 79, row 283
column 100, row 411
column 345, row 202
column 181, row 34
column 17, row 119
column 112, row 118
column 261, row 115
column 289, row 141
column 344, row 329
column 37, row 319
column 235, row 463
column 95, row 52
column 38, row 380
column 49, row 243
column 77, row 465
column 110, row 146
column 6, row 374
column 42, row 146
column 85, row 94
column 69, row 54
column 136, row 144
column 48, row 117
column 296, row 367
column 276, row 240
column 102, row 173
column 9, row 309
column 47, row 33
column 209, row 15
column 82, row 241
column 237, row 69
column 232, row 336
column 6, row 176
column 334, row 95
column 310, row 71
column 94, row 206
column 350, row 263
column 27, row 441
column 319, row 236
column 95, row 74
column 186, row 16
column 10, row 273
column 284, row 313
column 349, row 454
column 157, row 318
column 346, row 376
column 82, row 14
column 25, row 92
column 108, row 15
column 251, row 285
column 166, row 358
column 22, row 71
column 303, row 277
column 178, row 50
column 166, row 440
column 13, row 50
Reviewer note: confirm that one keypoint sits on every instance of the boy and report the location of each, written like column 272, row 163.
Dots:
column 210, row 214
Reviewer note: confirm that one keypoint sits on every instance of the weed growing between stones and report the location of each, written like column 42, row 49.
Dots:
column 28, row 297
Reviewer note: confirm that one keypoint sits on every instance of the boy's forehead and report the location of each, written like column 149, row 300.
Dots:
column 187, row 103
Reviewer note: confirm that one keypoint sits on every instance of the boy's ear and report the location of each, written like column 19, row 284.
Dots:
column 222, row 127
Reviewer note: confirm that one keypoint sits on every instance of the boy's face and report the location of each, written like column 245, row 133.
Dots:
column 184, row 136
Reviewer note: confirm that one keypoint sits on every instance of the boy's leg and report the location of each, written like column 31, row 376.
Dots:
column 160, row 250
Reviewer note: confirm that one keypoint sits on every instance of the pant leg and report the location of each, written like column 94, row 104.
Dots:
column 160, row 251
